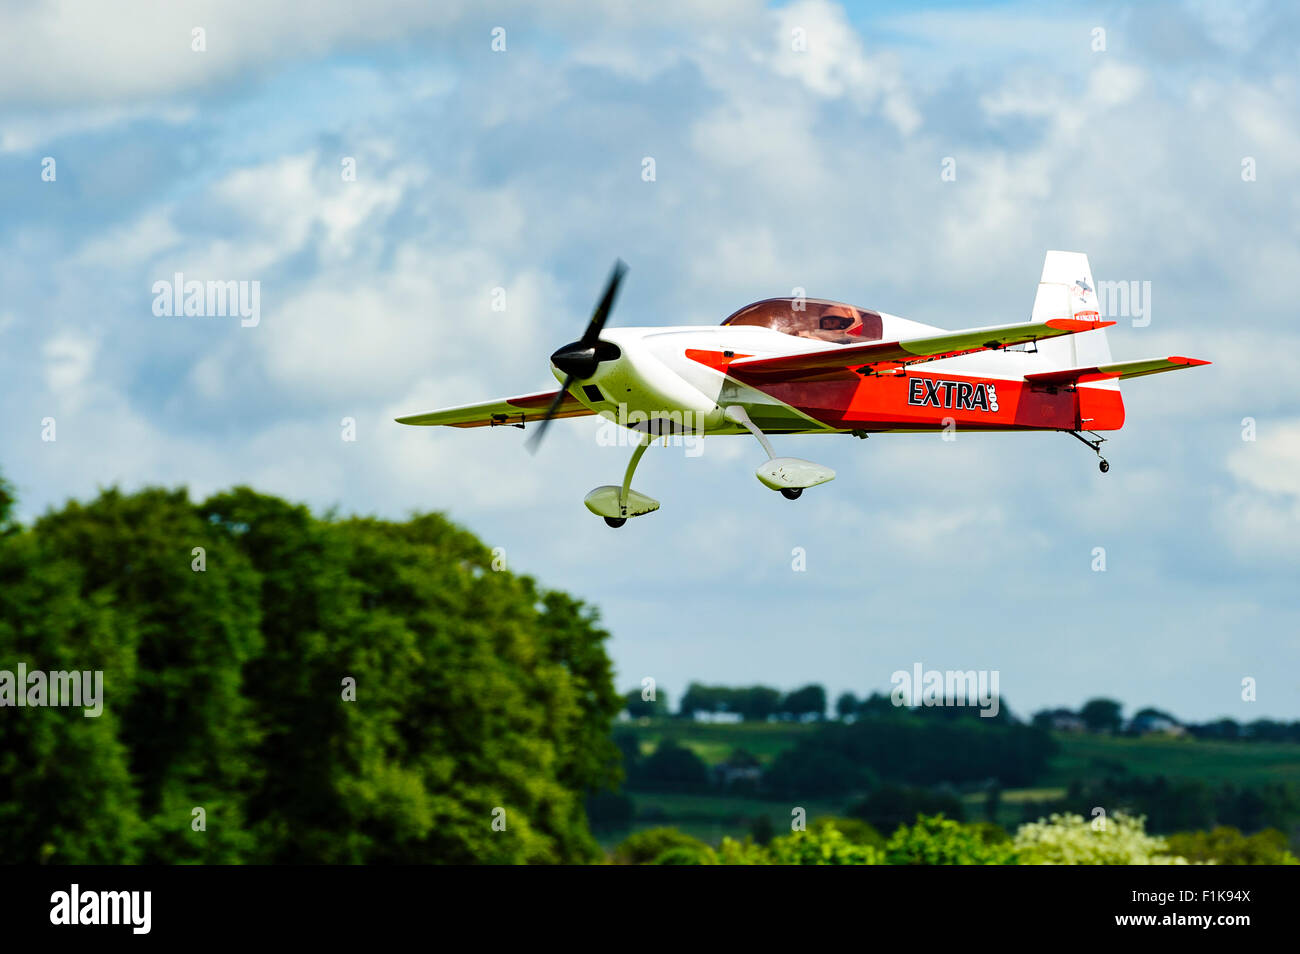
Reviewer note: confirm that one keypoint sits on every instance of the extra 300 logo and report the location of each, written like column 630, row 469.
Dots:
column 962, row 395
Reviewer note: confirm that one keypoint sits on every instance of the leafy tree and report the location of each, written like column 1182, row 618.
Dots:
column 672, row 768
column 813, row 771
column 628, row 745
column 1228, row 846
column 609, row 811
column 992, row 802
column 640, row 708
column 808, row 701
column 877, row 706
column 327, row 690
column 747, row 852
column 1183, row 804
column 66, row 794
column 1102, row 715
column 645, row 847
column 846, row 705
column 854, row 829
column 837, row 757
column 179, row 698
column 1072, row 840
column 1228, row 729
column 822, row 846
column 892, row 805
column 935, row 840
column 753, row 703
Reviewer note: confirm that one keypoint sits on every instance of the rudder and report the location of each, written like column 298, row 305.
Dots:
column 1067, row 290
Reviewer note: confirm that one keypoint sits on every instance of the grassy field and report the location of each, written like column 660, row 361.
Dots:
column 1244, row 763
column 710, row 817
column 714, row 743
column 1080, row 756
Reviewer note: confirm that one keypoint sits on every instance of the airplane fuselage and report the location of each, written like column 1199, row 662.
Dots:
column 681, row 377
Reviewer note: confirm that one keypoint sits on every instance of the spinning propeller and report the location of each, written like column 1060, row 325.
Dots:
column 580, row 359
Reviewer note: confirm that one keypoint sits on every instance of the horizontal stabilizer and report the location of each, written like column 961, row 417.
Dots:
column 513, row 410
column 1107, row 372
column 893, row 353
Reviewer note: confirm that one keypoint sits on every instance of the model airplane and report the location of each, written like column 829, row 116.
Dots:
column 807, row 366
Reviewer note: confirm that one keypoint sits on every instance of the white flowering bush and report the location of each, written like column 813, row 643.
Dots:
column 1072, row 840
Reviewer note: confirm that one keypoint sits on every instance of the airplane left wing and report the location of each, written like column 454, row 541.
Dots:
column 510, row 411
column 1117, row 370
column 809, row 364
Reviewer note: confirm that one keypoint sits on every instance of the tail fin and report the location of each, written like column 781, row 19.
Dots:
column 1066, row 290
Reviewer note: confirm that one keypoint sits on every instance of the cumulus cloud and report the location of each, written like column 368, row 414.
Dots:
column 777, row 168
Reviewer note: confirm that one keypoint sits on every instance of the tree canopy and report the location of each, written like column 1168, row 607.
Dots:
column 326, row 690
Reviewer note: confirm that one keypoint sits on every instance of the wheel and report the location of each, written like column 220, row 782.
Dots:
column 615, row 522
column 791, row 493
column 1104, row 466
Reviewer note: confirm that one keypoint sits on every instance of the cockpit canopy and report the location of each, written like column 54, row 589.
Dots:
column 831, row 321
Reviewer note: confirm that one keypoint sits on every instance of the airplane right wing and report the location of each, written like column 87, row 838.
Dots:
column 895, row 353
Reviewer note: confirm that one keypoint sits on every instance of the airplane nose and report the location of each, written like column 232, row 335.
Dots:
column 576, row 359
column 581, row 360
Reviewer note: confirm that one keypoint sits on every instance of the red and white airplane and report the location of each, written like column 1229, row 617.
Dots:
column 806, row 366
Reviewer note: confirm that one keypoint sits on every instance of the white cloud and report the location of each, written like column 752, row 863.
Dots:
column 69, row 361
column 774, row 171
column 831, row 61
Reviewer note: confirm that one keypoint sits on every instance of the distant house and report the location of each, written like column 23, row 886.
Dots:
column 722, row 717
column 727, row 774
column 1062, row 720
column 1154, row 723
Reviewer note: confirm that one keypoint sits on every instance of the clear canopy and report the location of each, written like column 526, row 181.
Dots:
column 811, row 318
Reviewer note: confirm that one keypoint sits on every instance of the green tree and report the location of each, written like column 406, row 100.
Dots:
column 640, row 708
column 1073, row 840
column 672, row 768
column 935, row 840
column 1102, row 715
column 1225, row 845
column 891, row 805
column 646, row 847
column 826, row 845
column 807, row 701
column 179, row 702
column 327, row 690
column 66, row 794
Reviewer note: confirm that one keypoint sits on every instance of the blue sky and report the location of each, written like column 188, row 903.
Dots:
column 775, row 169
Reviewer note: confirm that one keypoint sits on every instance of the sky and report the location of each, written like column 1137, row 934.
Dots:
column 797, row 145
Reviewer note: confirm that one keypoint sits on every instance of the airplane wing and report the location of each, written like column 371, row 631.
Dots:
column 1105, row 372
column 893, row 353
column 513, row 411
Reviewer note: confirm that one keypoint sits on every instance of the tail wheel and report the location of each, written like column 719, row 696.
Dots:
column 615, row 522
column 791, row 493
column 1104, row 466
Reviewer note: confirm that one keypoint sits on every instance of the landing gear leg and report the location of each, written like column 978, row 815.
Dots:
column 646, row 441
column 790, row 475
column 1095, row 443
column 617, row 504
